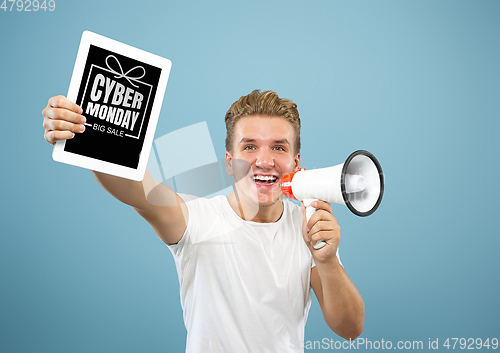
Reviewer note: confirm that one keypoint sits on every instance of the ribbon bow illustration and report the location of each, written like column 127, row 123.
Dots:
column 120, row 74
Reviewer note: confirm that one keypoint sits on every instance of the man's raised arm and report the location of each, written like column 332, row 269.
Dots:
column 159, row 205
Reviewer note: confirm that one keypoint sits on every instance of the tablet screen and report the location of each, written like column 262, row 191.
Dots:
column 116, row 94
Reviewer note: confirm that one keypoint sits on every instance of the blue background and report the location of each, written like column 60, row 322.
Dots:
column 417, row 83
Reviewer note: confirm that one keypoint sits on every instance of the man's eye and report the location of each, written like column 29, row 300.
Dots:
column 249, row 147
column 278, row 148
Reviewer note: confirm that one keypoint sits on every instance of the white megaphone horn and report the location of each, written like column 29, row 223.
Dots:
column 357, row 183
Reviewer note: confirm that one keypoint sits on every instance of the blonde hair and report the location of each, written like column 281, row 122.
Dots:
column 266, row 103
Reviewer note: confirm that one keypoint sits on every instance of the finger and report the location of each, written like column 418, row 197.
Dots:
column 323, row 226
column 62, row 125
column 65, row 103
column 329, row 238
column 321, row 215
column 53, row 136
column 63, row 114
column 322, row 205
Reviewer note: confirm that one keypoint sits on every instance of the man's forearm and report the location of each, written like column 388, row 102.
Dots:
column 127, row 191
column 139, row 194
column 343, row 307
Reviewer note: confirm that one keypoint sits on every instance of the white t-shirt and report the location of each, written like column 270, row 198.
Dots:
column 244, row 286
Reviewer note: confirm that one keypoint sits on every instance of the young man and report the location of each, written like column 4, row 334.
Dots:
column 245, row 262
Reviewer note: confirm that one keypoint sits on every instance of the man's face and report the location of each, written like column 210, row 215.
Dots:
column 263, row 151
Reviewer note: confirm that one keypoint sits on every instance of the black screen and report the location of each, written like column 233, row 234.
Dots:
column 116, row 94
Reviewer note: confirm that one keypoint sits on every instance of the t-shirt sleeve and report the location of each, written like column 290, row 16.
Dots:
column 190, row 201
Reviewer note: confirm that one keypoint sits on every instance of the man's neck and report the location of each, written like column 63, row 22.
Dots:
column 249, row 211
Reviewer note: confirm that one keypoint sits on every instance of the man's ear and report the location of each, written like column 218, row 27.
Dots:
column 297, row 162
column 229, row 163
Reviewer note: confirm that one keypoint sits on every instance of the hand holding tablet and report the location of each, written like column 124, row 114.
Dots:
column 120, row 90
column 62, row 119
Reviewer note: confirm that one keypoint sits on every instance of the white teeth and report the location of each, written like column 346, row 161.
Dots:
column 264, row 178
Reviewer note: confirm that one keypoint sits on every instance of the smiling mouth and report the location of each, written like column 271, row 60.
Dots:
column 265, row 179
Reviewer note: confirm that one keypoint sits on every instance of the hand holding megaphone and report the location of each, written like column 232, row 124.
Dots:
column 357, row 183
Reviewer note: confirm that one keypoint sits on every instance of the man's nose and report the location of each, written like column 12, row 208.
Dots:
column 264, row 159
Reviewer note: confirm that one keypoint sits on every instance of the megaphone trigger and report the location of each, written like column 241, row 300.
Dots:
column 309, row 212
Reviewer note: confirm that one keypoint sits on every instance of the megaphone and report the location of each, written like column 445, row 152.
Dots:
column 357, row 183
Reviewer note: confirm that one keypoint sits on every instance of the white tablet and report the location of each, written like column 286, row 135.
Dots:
column 120, row 89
